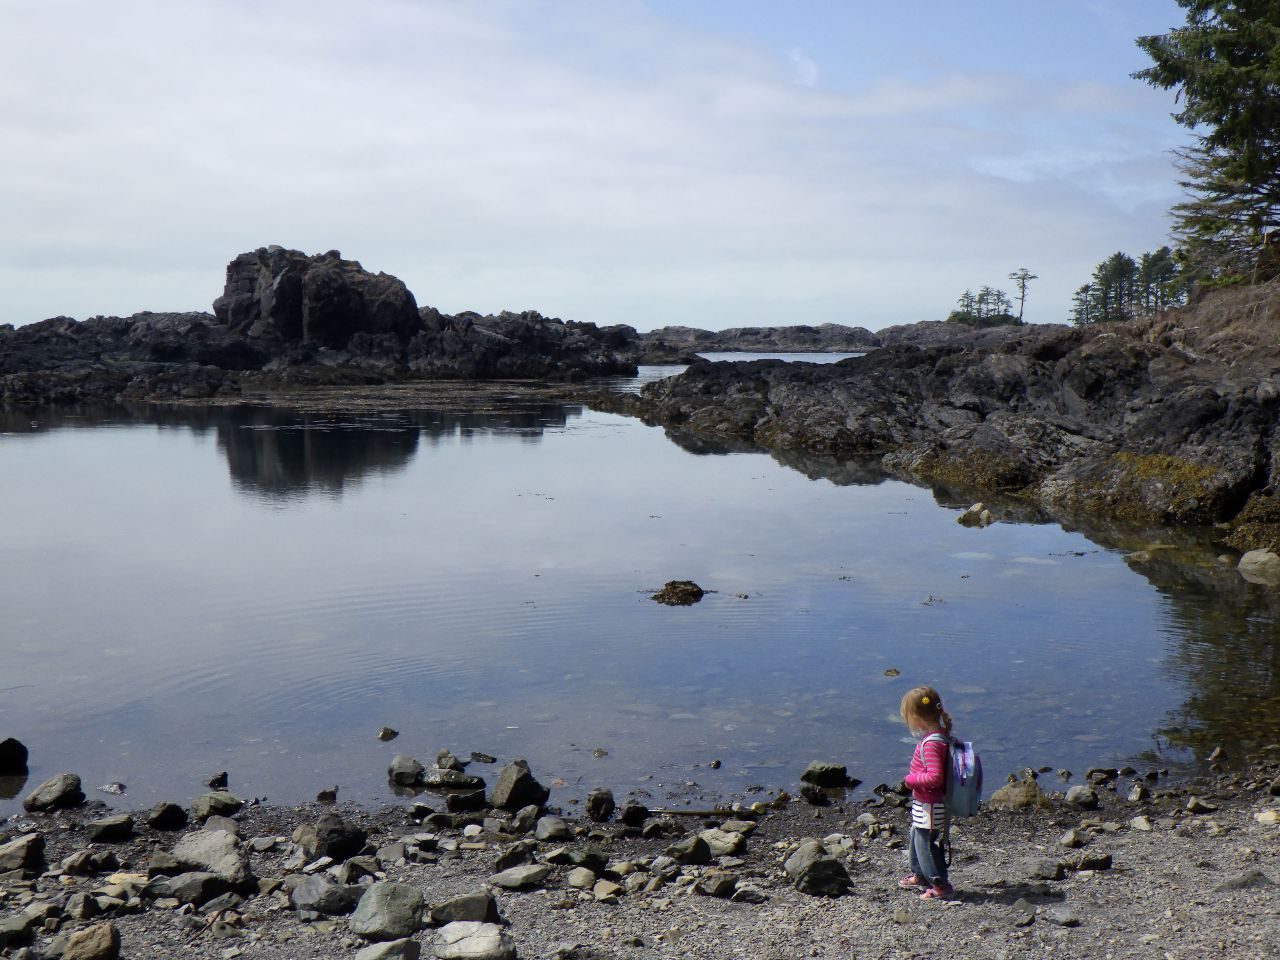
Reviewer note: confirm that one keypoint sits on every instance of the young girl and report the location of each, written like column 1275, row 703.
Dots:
column 923, row 714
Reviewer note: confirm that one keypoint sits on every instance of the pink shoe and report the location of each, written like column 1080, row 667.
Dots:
column 939, row 892
column 911, row 882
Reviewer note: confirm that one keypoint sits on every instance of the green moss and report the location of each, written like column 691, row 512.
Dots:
column 972, row 470
column 1154, row 487
column 1257, row 526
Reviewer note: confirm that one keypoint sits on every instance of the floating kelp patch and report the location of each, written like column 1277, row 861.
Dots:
column 679, row 593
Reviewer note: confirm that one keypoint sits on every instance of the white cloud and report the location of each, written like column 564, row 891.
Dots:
column 589, row 160
column 803, row 70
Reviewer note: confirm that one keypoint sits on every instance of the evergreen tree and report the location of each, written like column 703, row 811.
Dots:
column 1225, row 66
column 1022, row 276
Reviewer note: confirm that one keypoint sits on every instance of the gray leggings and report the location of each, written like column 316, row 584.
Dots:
column 927, row 859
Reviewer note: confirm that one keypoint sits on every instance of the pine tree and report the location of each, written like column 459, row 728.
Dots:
column 1022, row 276
column 1225, row 65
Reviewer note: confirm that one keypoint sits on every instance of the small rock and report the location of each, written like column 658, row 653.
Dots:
column 718, row 884
column 328, row 795
column 405, row 949
column 1044, row 869
column 13, row 758
column 478, row 907
column 816, row 872
column 552, row 829
column 465, row 801
column 98, row 942
column 633, row 814
column 516, row 788
column 218, row 781
column 723, row 843
column 1092, row 861
column 823, row 774
column 690, row 850
column 215, row 852
column 1073, row 838
column 1086, row 798
column 445, row 760
column 1196, row 805
column 468, row 940
column 167, row 816
column 225, row 824
column 386, row 734
column 216, row 804
column 580, row 878
column 329, row 836
column 405, row 771
column 606, row 891
column 322, row 895
column 748, row 893
column 57, row 793
column 1021, row 795
column 1267, row 816
column 1260, row 566
column 1249, row 880
column 522, row 877
column 388, row 911
column 1138, row 793
column 600, row 805
column 1141, row 822
column 1062, row 916
column 24, row 853
column 679, row 593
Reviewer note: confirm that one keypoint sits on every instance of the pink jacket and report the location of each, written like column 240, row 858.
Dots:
column 927, row 774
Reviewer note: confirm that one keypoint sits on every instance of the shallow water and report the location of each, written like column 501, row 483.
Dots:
column 192, row 590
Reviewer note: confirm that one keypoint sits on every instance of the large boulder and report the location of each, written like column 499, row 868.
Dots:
column 470, row 940
column 516, row 788
column 814, row 871
column 24, row 853
column 330, row 836
column 57, row 793
column 286, row 296
column 13, row 758
column 388, row 911
column 214, row 851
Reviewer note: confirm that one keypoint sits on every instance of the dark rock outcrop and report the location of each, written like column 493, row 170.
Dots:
column 286, row 319
column 1170, row 420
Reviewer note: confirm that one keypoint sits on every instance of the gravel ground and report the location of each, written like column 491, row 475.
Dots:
column 1195, row 884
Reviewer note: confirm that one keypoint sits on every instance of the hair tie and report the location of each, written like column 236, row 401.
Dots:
column 925, row 701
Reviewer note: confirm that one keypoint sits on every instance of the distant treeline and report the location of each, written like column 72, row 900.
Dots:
column 1123, row 288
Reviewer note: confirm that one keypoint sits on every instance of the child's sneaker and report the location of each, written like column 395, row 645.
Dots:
column 912, row 882
column 939, row 891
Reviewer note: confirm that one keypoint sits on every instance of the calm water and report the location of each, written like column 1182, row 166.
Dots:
column 195, row 590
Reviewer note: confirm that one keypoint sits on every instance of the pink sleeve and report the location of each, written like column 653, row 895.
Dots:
column 934, row 774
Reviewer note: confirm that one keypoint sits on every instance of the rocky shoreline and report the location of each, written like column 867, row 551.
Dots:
column 1170, row 420
column 1122, row 864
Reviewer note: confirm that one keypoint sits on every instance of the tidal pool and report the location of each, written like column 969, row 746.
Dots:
column 258, row 591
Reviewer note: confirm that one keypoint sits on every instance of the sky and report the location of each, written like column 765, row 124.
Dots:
column 714, row 164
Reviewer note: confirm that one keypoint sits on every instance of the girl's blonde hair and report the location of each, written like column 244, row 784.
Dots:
column 922, row 708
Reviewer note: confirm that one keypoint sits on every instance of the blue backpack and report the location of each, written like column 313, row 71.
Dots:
column 964, row 776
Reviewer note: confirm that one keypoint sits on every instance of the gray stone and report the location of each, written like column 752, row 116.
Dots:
column 480, row 907
column 606, row 891
column 98, row 942
column 1062, row 916
column 468, row 940
column 1084, row 797
column 13, row 758
column 405, row 771
column 816, row 872
column 690, row 850
column 552, row 829
column 215, row 852
column 219, row 803
column 580, row 878
column 113, row 829
column 451, row 780
column 465, row 801
column 405, row 949
column 1260, row 566
column 748, row 827
column 633, row 814
column 80, row 907
column 516, row 788
column 722, row 843
column 1044, row 869
column 17, row 929
column 24, row 853
column 1249, row 880
column 600, row 804
column 522, row 877
column 1022, row 795
column 57, row 793
column 225, row 824
column 820, row 773
column 388, row 911
column 1141, row 822
column 226, row 901
column 1073, row 838
column 748, row 893
column 195, row 888
column 522, row 851
column 322, row 894
column 1196, row 805
column 1093, row 861
column 718, row 884
column 330, row 836
column 167, row 816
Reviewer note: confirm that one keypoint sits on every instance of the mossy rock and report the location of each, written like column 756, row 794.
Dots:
column 1257, row 526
